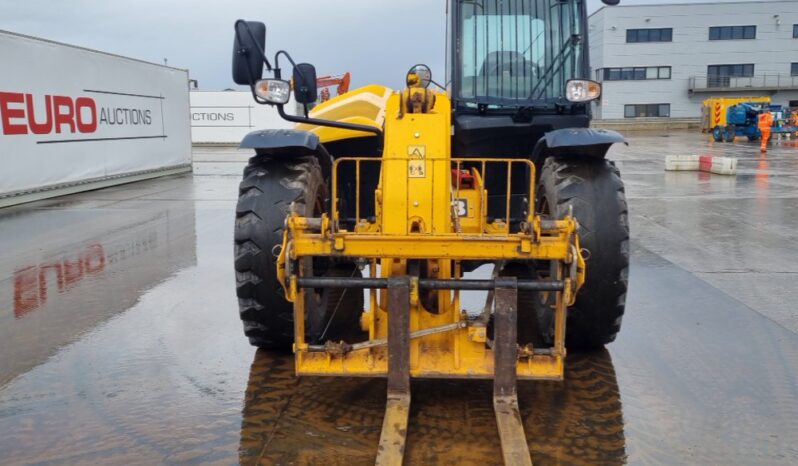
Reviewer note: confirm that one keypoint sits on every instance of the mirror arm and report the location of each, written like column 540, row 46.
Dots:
column 329, row 123
column 293, row 64
column 443, row 88
column 291, row 60
column 287, row 56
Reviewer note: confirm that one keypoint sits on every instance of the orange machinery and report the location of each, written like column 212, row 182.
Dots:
column 324, row 82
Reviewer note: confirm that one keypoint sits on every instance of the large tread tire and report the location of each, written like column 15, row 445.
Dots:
column 269, row 190
column 340, row 308
column 530, row 307
column 596, row 192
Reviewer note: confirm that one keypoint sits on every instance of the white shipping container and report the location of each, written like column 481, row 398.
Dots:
column 225, row 117
column 74, row 119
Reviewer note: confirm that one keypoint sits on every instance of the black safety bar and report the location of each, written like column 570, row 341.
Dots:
column 427, row 284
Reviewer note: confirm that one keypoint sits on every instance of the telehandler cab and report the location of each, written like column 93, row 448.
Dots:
column 401, row 193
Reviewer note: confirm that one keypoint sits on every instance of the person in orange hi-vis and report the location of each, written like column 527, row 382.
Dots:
column 765, row 124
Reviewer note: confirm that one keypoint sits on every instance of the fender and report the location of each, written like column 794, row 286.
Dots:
column 576, row 142
column 277, row 143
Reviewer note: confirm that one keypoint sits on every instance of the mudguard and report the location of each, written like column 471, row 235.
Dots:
column 275, row 143
column 584, row 142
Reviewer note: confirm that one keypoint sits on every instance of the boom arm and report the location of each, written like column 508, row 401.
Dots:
column 342, row 81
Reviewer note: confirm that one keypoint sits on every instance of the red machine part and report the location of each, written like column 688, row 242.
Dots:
column 463, row 178
column 342, row 81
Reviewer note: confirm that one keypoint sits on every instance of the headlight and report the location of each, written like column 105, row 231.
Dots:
column 582, row 90
column 273, row 91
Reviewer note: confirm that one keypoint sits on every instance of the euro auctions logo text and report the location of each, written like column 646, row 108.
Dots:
column 25, row 113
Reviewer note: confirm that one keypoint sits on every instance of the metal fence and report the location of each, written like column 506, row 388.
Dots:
column 760, row 82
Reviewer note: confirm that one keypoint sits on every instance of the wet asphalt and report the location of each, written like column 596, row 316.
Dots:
column 120, row 341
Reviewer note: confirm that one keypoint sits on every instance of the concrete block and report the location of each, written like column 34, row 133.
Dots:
column 718, row 165
column 681, row 163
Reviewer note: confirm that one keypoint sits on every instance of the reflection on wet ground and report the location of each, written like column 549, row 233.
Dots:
column 119, row 341
column 61, row 277
column 338, row 421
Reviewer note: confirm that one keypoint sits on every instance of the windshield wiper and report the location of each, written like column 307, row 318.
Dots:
column 567, row 49
column 548, row 75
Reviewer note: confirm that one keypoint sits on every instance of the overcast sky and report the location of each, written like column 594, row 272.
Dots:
column 377, row 40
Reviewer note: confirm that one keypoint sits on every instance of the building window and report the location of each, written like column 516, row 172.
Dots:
column 736, row 71
column 720, row 75
column 795, row 31
column 794, row 70
column 637, row 73
column 732, row 32
column 649, row 35
column 647, row 111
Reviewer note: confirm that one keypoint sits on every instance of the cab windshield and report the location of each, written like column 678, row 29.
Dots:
column 514, row 52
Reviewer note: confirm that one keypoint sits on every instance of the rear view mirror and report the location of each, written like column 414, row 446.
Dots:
column 611, row 2
column 248, row 49
column 305, row 91
column 419, row 76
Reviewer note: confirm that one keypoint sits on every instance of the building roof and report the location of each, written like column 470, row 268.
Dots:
column 685, row 3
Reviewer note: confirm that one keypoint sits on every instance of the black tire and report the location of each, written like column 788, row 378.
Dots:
column 530, row 307
column 730, row 133
column 271, row 188
column 338, row 310
column 595, row 191
column 717, row 134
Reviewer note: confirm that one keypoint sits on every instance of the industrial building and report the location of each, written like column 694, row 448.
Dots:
column 664, row 60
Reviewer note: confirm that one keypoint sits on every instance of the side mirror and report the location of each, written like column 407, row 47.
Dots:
column 248, row 49
column 611, row 2
column 419, row 76
column 305, row 91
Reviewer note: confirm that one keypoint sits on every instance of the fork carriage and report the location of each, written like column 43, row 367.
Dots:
column 444, row 341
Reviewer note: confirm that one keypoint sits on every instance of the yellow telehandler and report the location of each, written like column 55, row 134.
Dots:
column 355, row 231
